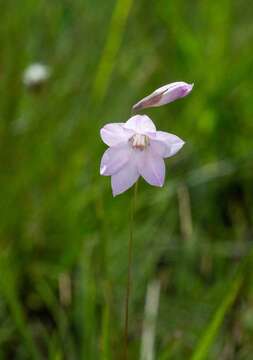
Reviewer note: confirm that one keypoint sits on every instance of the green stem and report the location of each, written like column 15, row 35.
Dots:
column 130, row 251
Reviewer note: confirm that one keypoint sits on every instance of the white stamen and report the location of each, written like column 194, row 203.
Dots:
column 139, row 141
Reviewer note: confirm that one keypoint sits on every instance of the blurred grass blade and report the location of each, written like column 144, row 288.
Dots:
column 106, row 348
column 150, row 318
column 112, row 45
column 212, row 330
column 8, row 290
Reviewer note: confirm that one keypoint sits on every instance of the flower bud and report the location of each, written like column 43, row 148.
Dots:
column 164, row 95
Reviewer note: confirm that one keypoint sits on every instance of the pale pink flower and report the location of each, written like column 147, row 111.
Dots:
column 164, row 95
column 136, row 149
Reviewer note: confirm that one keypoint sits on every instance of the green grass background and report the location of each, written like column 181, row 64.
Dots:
column 63, row 238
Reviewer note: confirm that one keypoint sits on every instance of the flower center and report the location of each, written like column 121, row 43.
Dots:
column 139, row 141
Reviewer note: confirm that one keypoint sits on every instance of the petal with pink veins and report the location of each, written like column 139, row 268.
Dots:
column 141, row 124
column 114, row 159
column 124, row 179
column 115, row 133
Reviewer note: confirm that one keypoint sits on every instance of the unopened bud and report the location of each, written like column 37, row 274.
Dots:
column 164, row 95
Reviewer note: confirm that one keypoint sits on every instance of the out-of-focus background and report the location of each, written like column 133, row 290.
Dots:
column 63, row 247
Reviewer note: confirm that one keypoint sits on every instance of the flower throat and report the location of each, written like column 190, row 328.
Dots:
column 139, row 141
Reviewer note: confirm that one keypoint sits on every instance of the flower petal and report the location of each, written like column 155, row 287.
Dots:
column 141, row 124
column 158, row 147
column 152, row 167
column 114, row 134
column 114, row 159
column 165, row 95
column 166, row 144
column 124, row 179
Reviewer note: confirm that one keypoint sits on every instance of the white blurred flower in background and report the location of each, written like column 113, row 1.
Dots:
column 36, row 75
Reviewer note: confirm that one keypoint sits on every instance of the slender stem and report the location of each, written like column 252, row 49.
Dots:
column 130, row 251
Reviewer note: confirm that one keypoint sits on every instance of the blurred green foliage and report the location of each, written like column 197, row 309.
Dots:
column 63, row 247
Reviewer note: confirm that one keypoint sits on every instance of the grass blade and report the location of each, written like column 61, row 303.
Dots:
column 112, row 45
column 212, row 330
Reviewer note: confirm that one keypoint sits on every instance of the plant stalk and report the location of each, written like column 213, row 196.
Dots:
column 129, row 266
